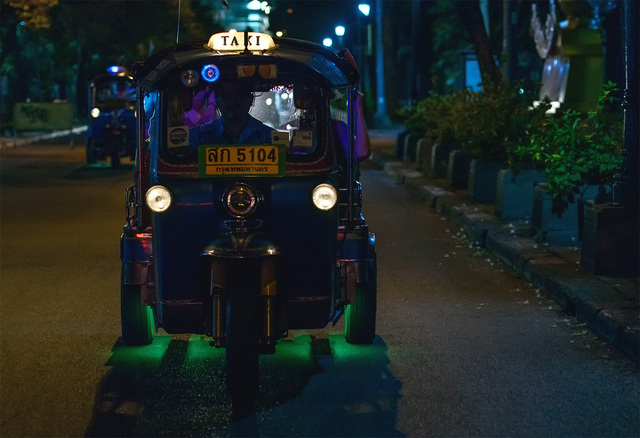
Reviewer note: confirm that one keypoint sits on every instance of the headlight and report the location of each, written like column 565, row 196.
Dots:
column 158, row 199
column 95, row 113
column 240, row 200
column 325, row 196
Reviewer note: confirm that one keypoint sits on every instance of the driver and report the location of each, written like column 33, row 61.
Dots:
column 236, row 125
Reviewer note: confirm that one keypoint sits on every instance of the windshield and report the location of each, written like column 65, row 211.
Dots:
column 232, row 113
column 114, row 93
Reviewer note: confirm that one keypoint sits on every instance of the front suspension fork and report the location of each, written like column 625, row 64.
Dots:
column 266, row 299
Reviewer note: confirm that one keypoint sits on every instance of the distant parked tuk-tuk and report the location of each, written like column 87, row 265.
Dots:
column 112, row 123
column 245, row 218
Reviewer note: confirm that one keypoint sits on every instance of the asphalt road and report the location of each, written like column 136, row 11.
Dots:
column 463, row 347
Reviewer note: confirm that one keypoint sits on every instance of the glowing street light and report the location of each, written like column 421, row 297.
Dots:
column 364, row 8
column 327, row 42
column 340, row 31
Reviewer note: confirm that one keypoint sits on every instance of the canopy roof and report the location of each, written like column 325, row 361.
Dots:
column 336, row 69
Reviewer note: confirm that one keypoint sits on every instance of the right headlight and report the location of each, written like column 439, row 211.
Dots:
column 324, row 196
column 158, row 199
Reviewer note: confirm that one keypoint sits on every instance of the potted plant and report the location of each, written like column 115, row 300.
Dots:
column 496, row 121
column 580, row 153
column 515, row 184
column 437, row 119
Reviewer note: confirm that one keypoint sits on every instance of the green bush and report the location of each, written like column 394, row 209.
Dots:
column 489, row 124
column 576, row 148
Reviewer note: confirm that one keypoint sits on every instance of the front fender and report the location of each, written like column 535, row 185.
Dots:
column 241, row 246
column 135, row 253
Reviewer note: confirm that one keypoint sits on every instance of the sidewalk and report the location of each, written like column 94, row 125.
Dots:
column 608, row 306
column 34, row 137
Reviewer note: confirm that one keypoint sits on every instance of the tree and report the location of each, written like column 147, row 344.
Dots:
column 471, row 17
column 34, row 14
column 51, row 48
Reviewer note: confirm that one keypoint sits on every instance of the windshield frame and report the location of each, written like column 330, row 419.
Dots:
column 321, row 135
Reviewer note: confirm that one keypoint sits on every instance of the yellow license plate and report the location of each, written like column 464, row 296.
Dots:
column 242, row 160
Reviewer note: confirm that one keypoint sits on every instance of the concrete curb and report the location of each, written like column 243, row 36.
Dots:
column 609, row 307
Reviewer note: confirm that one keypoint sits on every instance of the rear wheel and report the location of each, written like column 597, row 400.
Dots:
column 360, row 316
column 138, row 327
column 114, row 146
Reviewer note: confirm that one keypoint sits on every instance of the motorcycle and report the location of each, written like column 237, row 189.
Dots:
column 112, row 121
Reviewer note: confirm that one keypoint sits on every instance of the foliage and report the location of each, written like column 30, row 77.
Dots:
column 33, row 14
column 489, row 124
column 577, row 148
column 448, row 43
column 44, row 62
column 495, row 120
column 437, row 116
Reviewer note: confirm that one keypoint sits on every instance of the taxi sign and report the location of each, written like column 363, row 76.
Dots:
column 237, row 41
column 242, row 160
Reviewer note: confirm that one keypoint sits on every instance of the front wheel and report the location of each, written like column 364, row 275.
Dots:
column 242, row 329
column 91, row 153
column 360, row 316
column 138, row 327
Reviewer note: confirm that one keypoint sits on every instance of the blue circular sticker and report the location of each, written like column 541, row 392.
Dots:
column 210, row 73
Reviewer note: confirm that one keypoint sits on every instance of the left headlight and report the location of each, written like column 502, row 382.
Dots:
column 158, row 199
column 324, row 196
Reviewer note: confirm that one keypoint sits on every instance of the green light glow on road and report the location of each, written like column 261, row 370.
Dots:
column 149, row 355
column 200, row 350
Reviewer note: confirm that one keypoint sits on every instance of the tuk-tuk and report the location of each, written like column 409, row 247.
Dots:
column 112, row 123
column 242, row 231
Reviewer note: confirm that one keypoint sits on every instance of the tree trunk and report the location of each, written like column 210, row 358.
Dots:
column 471, row 17
column 82, row 98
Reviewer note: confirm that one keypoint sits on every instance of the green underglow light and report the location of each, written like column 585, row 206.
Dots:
column 149, row 355
column 200, row 350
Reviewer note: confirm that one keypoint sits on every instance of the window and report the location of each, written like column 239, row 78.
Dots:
column 229, row 113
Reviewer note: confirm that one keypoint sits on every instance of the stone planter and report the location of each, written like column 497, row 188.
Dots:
column 440, row 159
column 482, row 180
column 564, row 230
column 410, row 147
column 514, row 193
column 458, row 170
column 423, row 154
column 610, row 241
column 400, row 140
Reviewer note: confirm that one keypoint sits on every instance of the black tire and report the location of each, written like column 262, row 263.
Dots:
column 360, row 316
column 242, row 331
column 138, row 327
column 91, row 154
column 114, row 150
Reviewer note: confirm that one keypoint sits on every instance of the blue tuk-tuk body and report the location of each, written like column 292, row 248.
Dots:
column 111, row 113
column 243, row 236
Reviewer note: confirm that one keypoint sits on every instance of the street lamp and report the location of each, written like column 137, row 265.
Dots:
column 327, row 42
column 340, row 34
column 364, row 8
